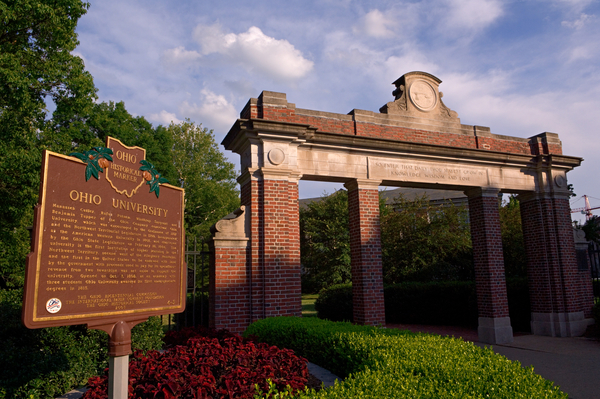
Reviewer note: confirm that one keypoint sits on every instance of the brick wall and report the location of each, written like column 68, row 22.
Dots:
column 487, row 256
column 274, row 255
column 345, row 126
column 229, row 291
column 365, row 250
column 555, row 284
column 281, row 248
column 251, row 197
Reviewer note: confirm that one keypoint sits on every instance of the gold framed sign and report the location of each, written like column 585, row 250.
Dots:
column 108, row 242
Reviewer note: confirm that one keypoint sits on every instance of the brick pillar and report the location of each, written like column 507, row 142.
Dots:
column 274, row 255
column 281, row 249
column 251, row 197
column 492, row 302
column 229, row 288
column 365, row 250
column 556, row 288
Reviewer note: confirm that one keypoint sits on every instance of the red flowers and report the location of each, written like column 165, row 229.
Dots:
column 203, row 363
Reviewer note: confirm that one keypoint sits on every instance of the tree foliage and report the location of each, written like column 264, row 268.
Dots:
column 513, row 246
column 37, row 38
column 325, row 242
column 36, row 64
column 203, row 171
column 421, row 241
column 591, row 227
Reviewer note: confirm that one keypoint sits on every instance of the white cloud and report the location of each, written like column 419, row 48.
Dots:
column 213, row 111
column 470, row 14
column 576, row 6
column 376, row 24
column 256, row 51
column 179, row 55
column 164, row 118
column 579, row 23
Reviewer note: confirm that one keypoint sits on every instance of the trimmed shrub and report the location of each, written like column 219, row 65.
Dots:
column 54, row 360
column 382, row 363
column 335, row 303
column 204, row 363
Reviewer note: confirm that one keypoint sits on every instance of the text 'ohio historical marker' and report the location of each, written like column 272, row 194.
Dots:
column 108, row 242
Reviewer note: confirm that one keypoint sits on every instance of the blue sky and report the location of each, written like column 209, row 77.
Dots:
column 519, row 67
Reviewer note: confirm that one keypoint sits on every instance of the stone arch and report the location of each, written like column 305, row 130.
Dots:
column 413, row 141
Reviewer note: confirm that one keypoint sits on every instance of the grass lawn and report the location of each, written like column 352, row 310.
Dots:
column 308, row 305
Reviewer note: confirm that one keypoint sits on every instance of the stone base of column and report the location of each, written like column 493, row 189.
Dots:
column 559, row 324
column 495, row 330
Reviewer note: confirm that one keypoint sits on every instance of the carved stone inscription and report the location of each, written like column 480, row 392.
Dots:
column 386, row 169
column 101, row 253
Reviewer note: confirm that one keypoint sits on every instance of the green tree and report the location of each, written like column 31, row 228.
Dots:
column 36, row 65
column 325, row 242
column 112, row 119
column 591, row 227
column 203, row 171
column 513, row 246
column 186, row 154
column 422, row 242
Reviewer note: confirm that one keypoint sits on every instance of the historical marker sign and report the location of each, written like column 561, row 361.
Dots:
column 109, row 241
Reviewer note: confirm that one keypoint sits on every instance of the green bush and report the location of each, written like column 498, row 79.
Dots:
column 52, row 361
column 382, row 363
column 436, row 303
column 335, row 303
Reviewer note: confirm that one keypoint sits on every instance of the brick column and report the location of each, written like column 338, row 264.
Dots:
column 492, row 302
column 274, row 255
column 229, row 288
column 251, row 197
column 365, row 250
column 557, row 291
column 281, row 249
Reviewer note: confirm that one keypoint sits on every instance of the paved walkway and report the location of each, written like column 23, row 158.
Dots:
column 573, row 364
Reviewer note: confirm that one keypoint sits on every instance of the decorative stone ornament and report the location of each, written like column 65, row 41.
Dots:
column 423, row 95
column 276, row 156
column 417, row 94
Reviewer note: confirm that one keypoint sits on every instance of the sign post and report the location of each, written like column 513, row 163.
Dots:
column 107, row 249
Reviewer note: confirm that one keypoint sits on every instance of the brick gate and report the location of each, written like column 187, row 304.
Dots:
column 413, row 141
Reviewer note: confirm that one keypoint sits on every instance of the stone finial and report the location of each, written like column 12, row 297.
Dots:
column 417, row 94
column 231, row 226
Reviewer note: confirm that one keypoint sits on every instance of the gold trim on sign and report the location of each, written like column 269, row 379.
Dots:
column 41, row 233
column 36, row 318
column 92, row 315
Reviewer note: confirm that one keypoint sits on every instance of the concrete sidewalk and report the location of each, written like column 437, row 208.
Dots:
column 573, row 364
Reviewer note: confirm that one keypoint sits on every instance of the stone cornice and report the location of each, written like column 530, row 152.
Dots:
column 375, row 146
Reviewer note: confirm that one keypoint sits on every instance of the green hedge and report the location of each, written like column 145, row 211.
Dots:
column 335, row 303
column 47, row 362
column 440, row 302
column 382, row 363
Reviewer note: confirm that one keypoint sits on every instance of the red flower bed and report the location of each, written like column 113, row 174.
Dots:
column 203, row 363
